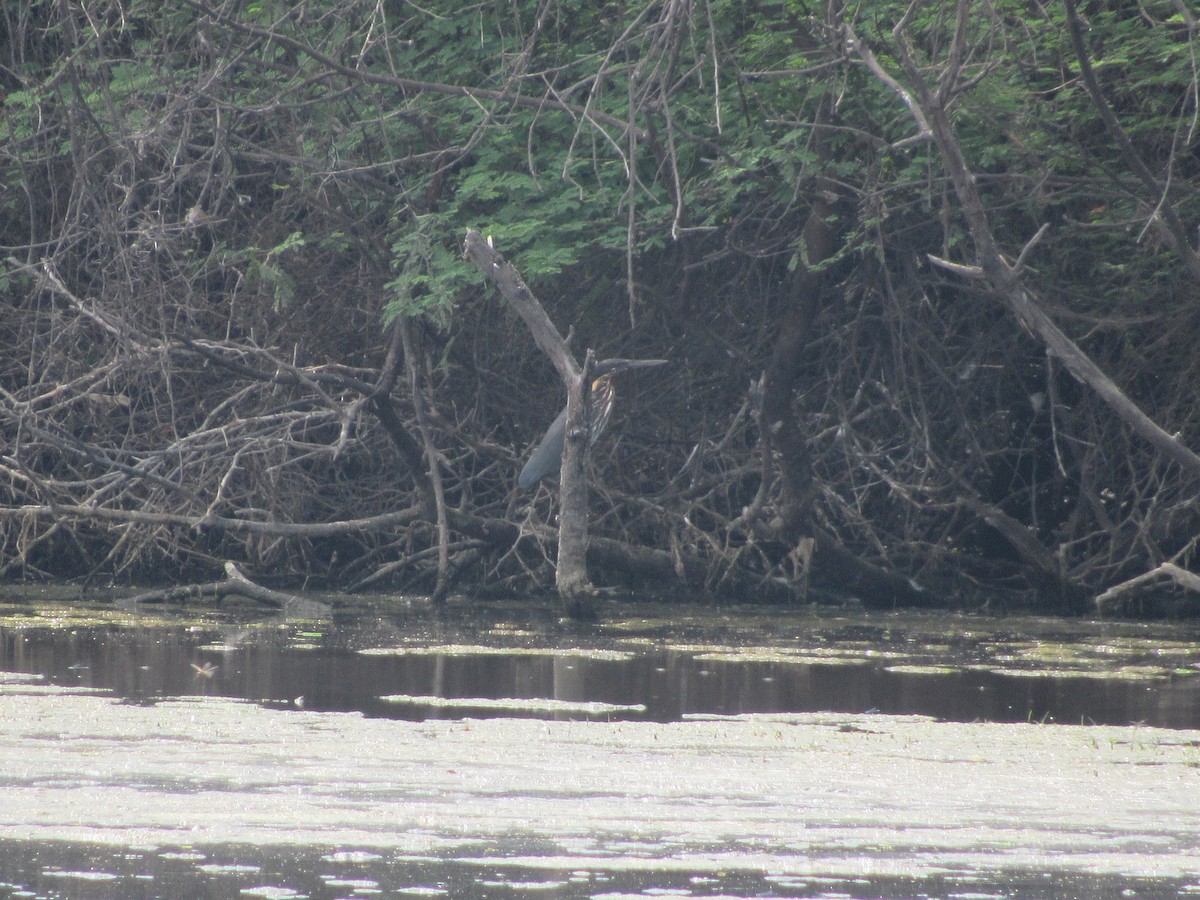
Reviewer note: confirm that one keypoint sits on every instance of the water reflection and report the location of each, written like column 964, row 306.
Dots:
column 329, row 671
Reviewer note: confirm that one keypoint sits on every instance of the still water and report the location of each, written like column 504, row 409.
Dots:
column 255, row 754
column 1021, row 671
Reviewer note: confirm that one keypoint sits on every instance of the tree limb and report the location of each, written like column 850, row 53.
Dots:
column 1185, row 579
column 234, row 584
column 1005, row 281
column 412, row 85
column 217, row 523
column 1164, row 212
column 431, row 459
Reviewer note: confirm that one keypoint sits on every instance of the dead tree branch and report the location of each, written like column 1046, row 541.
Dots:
column 1185, row 579
column 1164, row 216
column 1006, row 283
column 234, row 584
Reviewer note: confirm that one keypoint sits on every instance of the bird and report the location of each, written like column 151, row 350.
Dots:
column 546, row 458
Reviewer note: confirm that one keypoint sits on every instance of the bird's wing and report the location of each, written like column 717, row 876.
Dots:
column 547, row 458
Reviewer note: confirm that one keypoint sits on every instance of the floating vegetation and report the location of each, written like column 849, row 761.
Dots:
column 484, row 650
column 778, row 656
column 518, row 704
column 20, row 678
column 351, row 856
column 228, row 869
column 923, row 670
column 81, row 876
column 1123, row 673
column 366, row 885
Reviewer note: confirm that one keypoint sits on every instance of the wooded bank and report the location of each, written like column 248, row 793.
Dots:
column 926, row 276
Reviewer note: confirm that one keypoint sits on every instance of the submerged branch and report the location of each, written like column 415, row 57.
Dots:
column 234, row 584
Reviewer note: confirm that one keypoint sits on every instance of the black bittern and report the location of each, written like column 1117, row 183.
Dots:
column 546, row 459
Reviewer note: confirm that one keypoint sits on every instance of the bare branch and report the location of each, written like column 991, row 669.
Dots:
column 1174, row 228
column 410, row 84
column 1006, row 282
column 863, row 52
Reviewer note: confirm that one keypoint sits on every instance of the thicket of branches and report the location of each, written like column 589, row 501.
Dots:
column 927, row 278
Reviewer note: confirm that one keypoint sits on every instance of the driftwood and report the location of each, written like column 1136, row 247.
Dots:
column 234, row 584
column 1185, row 579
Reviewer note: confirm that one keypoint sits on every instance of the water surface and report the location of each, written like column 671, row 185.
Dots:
column 952, row 668
column 491, row 751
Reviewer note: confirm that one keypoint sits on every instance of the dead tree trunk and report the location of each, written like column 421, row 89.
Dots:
column 571, row 570
column 571, row 575
column 798, row 532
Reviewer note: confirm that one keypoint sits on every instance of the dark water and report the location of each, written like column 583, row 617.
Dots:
column 351, row 669
column 72, row 871
column 953, row 671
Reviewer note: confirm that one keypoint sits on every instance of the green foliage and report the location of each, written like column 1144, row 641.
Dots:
column 265, row 271
column 426, row 274
column 555, row 188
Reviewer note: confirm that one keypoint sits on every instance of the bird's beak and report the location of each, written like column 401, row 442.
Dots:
column 613, row 366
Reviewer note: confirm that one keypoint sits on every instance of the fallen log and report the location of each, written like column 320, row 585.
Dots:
column 237, row 584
